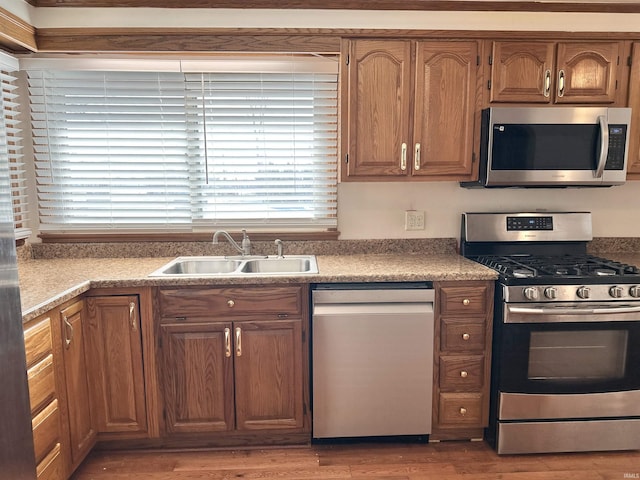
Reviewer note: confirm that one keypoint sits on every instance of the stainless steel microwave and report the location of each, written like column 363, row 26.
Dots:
column 553, row 147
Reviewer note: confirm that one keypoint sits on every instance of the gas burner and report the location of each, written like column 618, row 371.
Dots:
column 604, row 271
column 523, row 273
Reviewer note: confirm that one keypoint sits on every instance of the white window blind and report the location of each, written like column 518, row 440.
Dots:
column 269, row 144
column 148, row 150
column 11, row 143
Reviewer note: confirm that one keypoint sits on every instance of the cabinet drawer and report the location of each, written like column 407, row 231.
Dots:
column 42, row 383
column 460, row 409
column 37, row 341
column 220, row 303
column 462, row 373
column 46, row 430
column 51, row 468
column 462, row 336
column 463, row 300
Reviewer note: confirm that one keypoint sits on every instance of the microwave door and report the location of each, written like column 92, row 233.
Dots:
column 544, row 154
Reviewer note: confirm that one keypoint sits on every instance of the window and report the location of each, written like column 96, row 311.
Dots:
column 187, row 150
column 11, row 143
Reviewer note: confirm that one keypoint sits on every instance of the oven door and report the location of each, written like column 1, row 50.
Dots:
column 569, row 348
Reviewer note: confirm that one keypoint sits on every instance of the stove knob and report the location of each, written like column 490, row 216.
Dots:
column 551, row 292
column 616, row 292
column 635, row 291
column 584, row 292
column 530, row 293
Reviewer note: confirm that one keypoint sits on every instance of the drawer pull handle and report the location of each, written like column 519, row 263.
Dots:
column 463, row 411
column 231, row 303
column 466, row 336
column 464, row 374
column 227, row 342
column 466, row 302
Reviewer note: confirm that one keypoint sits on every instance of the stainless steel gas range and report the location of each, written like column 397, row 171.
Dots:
column 566, row 343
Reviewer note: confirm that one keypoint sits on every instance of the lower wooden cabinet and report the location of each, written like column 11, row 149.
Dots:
column 82, row 426
column 227, row 369
column 462, row 361
column 114, row 340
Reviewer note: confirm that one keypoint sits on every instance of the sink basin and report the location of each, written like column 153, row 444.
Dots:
column 280, row 265
column 238, row 266
column 201, row 266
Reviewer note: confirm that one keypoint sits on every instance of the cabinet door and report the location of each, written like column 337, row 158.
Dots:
column 586, row 72
column 268, row 372
column 378, row 90
column 197, row 377
column 82, row 426
column 115, row 342
column 522, row 72
column 446, row 102
column 634, row 102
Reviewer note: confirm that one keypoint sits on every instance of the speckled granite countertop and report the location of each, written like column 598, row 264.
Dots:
column 47, row 283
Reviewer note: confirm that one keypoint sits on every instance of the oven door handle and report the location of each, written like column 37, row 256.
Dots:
column 577, row 313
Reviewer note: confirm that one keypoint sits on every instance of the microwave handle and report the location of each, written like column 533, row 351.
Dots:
column 604, row 146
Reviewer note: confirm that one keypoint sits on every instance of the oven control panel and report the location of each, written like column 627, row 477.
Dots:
column 529, row 223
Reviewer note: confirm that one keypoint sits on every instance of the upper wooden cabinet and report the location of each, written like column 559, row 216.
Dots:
column 409, row 109
column 633, row 165
column 554, row 72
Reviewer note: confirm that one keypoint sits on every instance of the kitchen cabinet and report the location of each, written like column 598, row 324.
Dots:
column 43, row 375
column 633, row 165
column 545, row 72
column 114, row 340
column 234, row 361
column 403, row 102
column 82, row 426
column 462, row 359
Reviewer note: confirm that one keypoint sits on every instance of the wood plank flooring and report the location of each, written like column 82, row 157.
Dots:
column 362, row 461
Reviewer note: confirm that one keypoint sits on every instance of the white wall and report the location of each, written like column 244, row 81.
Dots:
column 376, row 210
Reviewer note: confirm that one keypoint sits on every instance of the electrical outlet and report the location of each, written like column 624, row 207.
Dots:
column 413, row 220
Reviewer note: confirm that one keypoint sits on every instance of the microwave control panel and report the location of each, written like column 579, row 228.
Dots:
column 617, row 142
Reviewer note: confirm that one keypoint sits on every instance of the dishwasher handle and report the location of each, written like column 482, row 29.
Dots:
column 373, row 295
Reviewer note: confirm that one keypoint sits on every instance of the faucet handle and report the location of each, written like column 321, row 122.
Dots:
column 279, row 245
column 246, row 243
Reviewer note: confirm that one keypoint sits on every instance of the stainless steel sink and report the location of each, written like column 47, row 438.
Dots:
column 238, row 266
column 274, row 265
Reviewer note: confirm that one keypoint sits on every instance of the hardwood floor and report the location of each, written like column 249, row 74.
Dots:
column 370, row 461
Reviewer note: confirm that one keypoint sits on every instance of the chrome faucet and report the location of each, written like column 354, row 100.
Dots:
column 279, row 244
column 245, row 249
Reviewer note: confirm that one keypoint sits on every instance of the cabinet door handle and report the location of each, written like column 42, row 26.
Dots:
column 466, row 336
column 547, row 83
column 464, row 374
column 227, row 342
column 463, row 411
column 132, row 316
column 466, row 302
column 561, row 83
column 68, row 331
column 403, row 157
column 416, row 157
column 238, row 342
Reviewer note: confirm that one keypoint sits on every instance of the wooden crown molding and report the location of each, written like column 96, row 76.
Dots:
column 478, row 5
column 16, row 35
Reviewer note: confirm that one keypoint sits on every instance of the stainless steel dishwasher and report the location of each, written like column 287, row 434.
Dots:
column 372, row 358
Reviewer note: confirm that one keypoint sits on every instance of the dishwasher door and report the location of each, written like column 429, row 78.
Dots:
column 372, row 361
